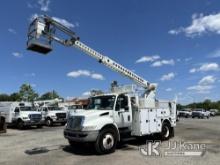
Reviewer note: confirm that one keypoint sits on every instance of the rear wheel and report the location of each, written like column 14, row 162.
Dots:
column 106, row 141
column 166, row 131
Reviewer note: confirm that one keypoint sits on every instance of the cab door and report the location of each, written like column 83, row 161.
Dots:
column 122, row 112
column 44, row 112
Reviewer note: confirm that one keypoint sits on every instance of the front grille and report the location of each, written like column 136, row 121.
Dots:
column 35, row 117
column 75, row 122
column 61, row 115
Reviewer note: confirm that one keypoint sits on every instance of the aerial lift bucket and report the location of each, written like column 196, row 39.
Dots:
column 37, row 40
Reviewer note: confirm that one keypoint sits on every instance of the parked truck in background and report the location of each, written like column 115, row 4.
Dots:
column 184, row 113
column 21, row 114
column 200, row 113
column 53, row 114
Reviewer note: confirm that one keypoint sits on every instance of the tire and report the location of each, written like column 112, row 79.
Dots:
column 106, row 141
column 207, row 117
column 166, row 131
column 49, row 122
column 20, row 124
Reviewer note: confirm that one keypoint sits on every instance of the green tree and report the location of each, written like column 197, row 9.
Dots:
column 4, row 97
column 15, row 97
column 49, row 95
column 27, row 93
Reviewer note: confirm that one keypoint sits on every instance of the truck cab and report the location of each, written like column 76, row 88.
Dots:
column 53, row 114
column 21, row 114
column 111, row 117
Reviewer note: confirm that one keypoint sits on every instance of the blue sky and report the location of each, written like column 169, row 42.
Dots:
column 173, row 43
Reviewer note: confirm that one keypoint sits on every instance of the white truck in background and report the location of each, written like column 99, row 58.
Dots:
column 200, row 113
column 53, row 114
column 124, row 112
column 21, row 114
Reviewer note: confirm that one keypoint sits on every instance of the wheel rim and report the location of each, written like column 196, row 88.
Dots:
column 166, row 131
column 108, row 141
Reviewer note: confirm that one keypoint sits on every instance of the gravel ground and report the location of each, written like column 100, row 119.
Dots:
column 48, row 146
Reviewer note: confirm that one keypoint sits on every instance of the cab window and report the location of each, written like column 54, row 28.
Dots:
column 122, row 102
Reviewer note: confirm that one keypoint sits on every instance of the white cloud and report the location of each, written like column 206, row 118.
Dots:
column 200, row 25
column 12, row 31
column 64, row 22
column 202, row 89
column 85, row 73
column 206, row 67
column 167, row 77
column 188, row 59
column 44, row 5
column 168, row 89
column 97, row 76
column 215, row 54
column 17, row 54
column 163, row 62
column 207, row 80
column 148, row 58
column 87, row 93
column 204, row 85
column 193, row 70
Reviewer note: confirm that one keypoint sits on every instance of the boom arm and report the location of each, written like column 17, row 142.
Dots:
column 48, row 25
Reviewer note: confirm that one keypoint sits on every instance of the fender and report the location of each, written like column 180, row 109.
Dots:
column 104, row 122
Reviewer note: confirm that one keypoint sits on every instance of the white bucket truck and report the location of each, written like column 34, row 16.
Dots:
column 53, row 114
column 21, row 114
column 110, row 117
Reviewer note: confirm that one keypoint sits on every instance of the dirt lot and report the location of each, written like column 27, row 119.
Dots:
column 48, row 146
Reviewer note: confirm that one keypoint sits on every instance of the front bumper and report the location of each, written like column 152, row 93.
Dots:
column 32, row 122
column 81, row 136
column 59, row 120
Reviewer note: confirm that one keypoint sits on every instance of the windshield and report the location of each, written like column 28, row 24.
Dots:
column 102, row 102
column 54, row 108
column 27, row 109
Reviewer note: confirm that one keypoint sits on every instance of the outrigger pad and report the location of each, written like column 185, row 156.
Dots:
column 38, row 47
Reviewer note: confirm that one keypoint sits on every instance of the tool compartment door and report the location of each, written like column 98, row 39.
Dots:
column 140, row 122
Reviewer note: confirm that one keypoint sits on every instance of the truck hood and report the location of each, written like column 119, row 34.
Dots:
column 53, row 113
column 26, row 113
column 90, row 113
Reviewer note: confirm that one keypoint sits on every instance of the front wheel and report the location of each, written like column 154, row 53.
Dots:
column 49, row 122
column 20, row 124
column 106, row 141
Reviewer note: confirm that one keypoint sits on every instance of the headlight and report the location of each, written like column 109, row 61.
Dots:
column 89, row 128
